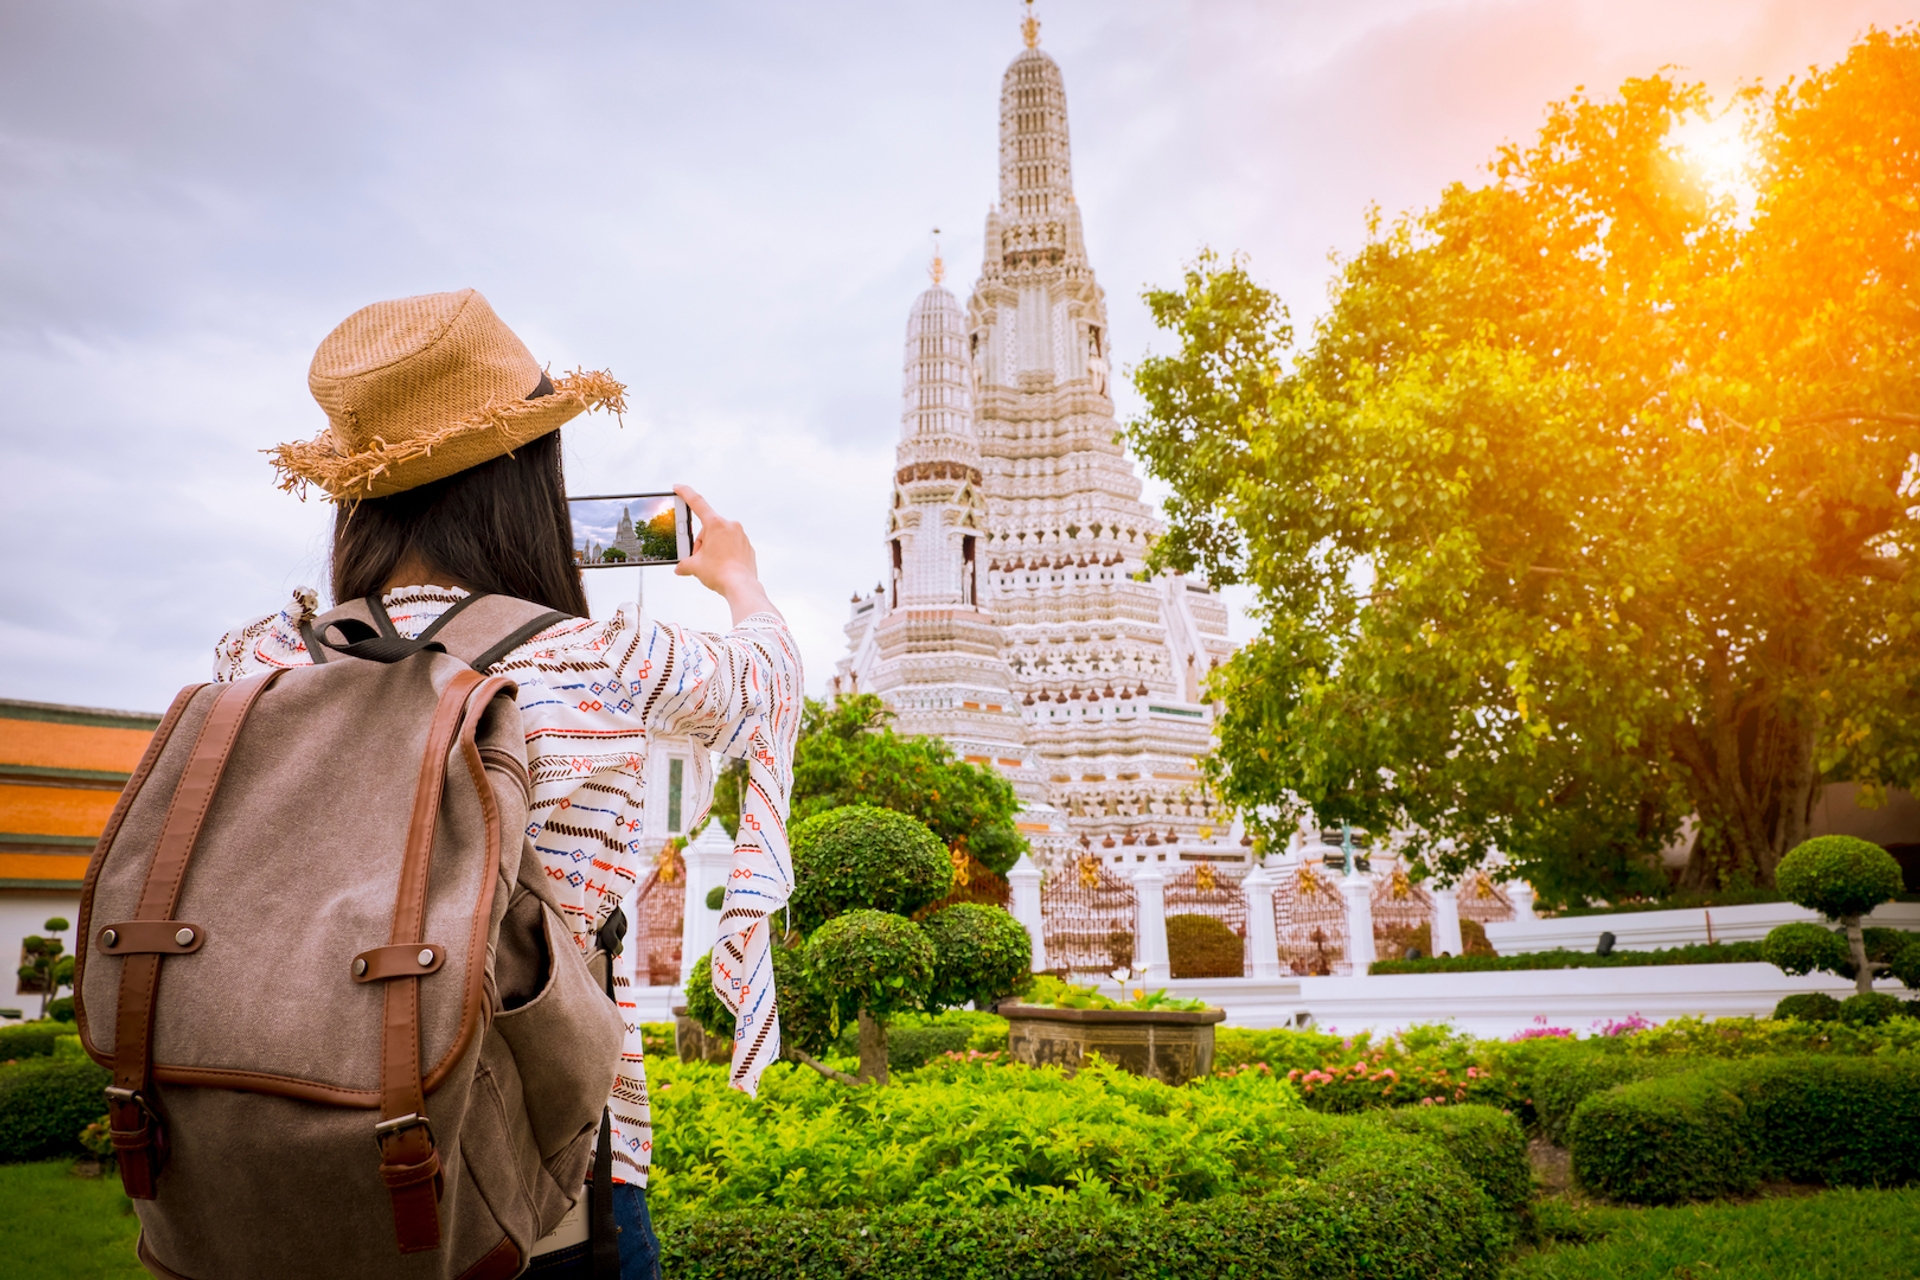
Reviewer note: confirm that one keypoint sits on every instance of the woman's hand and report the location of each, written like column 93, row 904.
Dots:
column 723, row 560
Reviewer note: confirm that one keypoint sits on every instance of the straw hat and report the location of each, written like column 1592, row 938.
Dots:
column 419, row 388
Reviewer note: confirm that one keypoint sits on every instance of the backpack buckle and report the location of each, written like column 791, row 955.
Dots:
column 385, row 1129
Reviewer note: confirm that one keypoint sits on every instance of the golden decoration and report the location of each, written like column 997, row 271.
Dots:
column 1089, row 873
column 1309, row 885
column 961, row 872
column 1401, row 886
column 1203, row 879
column 1030, row 28
column 668, row 862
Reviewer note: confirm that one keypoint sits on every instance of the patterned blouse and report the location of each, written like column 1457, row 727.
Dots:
column 590, row 694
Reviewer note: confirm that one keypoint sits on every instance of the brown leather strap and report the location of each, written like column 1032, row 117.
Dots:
column 502, row 1263
column 408, row 960
column 163, row 937
column 138, row 1137
column 409, row 1164
column 155, row 746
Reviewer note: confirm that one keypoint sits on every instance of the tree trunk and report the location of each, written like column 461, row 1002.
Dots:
column 1857, row 944
column 1751, row 769
column 873, row 1049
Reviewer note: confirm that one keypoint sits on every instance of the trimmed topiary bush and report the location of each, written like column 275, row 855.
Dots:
column 859, row 857
column 1843, row 878
column 31, row 1039
column 1486, row 1141
column 1871, row 1008
column 1722, row 1128
column 1201, row 946
column 805, row 1017
column 871, row 965
column 981, row 954
column 45, row 1103
column 1389, row 1206
column 1664, row 1141
column 1809, row 1006
column 1558, row 1080
column 1805, row 947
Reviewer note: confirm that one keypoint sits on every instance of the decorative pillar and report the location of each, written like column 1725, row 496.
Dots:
column 1263, row 943
column 1024, row 880
column 1358, row 887
column 1520, row 893
column 1150, row 948
column 1446, row 921
column 709, row 861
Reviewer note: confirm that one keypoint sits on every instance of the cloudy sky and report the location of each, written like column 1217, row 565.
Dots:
column 726, row 204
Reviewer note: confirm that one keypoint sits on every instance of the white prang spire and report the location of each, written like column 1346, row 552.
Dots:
column 1032, row 501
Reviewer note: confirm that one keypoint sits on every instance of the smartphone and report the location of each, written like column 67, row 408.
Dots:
column 620, row 530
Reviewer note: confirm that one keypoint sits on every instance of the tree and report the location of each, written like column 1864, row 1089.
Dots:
column 47, row 968
column 849, row 754
column 855, row 954
column 1589, row 505
column 1843, row 878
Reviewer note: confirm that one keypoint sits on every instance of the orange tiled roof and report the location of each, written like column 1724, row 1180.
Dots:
column 61, row 770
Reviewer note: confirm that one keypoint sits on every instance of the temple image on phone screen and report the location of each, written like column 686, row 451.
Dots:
column 632, row 530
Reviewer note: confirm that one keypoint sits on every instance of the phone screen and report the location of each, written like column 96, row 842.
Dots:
column 614, row 531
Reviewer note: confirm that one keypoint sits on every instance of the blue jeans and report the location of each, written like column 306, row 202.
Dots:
column 639, row 1247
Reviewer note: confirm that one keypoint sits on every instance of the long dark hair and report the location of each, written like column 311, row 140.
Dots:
column 501, row 528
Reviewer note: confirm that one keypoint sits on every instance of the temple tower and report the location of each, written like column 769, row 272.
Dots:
column 1103, row 665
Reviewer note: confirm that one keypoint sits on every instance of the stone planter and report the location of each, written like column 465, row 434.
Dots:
column 1165, row 1045
column 692, row 1042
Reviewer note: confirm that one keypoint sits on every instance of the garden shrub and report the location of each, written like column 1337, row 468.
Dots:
column 1557, row 1082
column 1839, row 876
column 1809, row 1006
column 1202, row 946
column 1700, row 953
column 1394, row 1207
column 61, row 1010
column 1871, row 1008
column 1487, row 1143
column 45, row 1103
column 31, row 1039
column 1722, row 1128
column 981, row 954
column 871, row 961
column 858, row 856
column 1805, row 947
column 1664, row 1141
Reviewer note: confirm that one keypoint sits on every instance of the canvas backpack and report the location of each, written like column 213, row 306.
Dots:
column 349, row 1031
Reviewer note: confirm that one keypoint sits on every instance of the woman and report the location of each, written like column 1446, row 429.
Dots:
column 443, row 457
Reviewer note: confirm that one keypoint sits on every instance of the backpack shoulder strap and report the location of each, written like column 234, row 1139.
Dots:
column 479, row 630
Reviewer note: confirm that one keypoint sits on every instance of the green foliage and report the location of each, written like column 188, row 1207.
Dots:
column 1487, row 1143
column 44, row 1104
column 914, row 1040
column 1836, row 1235
column 871, row 961
column 1664, row 1141
column 1201, row 946
column 1839, row 876
column 806, row 1017
column 31, row 1039
column 1871, row 1008
column 1575, row 516
column 1405, row 1213
column 1805, row 947
column 1699, row 953
column 981, row 955
column 61, row 1010
column 1904, row 965
column 1055, row 993
column 849, row 755
column 1809, row 1006
column 1720, row 1129
column 1559, row 1078
column 716, row 897
column 47, row 968
column 860, row 856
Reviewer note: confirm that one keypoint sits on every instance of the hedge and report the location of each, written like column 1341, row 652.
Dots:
column 1390, row 1207
column 1723, row 1128
column 1700, row 953
column 1486, row 1142
column 31, row 1039
column 44, row 1104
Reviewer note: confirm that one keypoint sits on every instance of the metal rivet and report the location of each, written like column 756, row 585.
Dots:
column 111, row 938
column 426, row 957
column 359, row 967
column 184, row 937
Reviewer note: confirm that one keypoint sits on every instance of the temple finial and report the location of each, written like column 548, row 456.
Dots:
column 938, row 268
column 1030, row 28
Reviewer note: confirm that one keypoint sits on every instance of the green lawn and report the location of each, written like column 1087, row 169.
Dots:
column 54, row 1226
column 1835, row 1235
